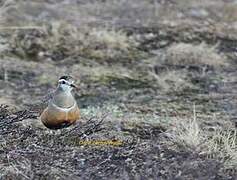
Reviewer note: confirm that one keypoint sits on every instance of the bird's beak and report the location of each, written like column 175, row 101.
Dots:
column 74, row 86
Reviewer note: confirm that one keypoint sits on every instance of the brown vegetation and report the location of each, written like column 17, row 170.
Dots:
column 157, row 76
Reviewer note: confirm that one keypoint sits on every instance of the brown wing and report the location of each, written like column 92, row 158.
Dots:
column 38, row 108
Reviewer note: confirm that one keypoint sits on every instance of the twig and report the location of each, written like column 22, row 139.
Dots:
column 77, row 127
column 88, row 130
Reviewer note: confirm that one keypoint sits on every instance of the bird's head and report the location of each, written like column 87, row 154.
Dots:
column 66, row 83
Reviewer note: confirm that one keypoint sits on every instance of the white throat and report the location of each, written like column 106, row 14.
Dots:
column 65, row 88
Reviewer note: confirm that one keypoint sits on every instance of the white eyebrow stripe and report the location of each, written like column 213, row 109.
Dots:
column 61, row 80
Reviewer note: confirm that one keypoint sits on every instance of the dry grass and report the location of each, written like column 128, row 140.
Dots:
column 123, row 13
column 229, row 13
column 220, row 144
column 223, row 146
column 105, row 75
column 148, row 115
column 4, row 6
column 61, row 40
column 199, row 3
column 104, row 43
column 187, row 133
column 218, row 9
column 188, row 54
column 173, row 81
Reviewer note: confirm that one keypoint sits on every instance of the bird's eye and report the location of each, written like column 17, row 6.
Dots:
column 63, row 82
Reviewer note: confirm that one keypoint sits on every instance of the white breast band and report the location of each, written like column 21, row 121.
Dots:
column 64, row 109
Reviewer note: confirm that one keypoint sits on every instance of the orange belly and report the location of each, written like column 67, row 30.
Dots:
column 54, row 118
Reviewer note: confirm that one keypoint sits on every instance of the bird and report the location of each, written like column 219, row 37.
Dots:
column 62, row 110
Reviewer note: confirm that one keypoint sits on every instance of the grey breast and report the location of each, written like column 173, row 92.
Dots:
column 63, row 100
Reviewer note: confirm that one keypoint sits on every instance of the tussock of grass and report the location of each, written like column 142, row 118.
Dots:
column 223, row 145
column 187, row 133
column 220, row 144
column 200, row 55
column 116, row 40
column 60, row 40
